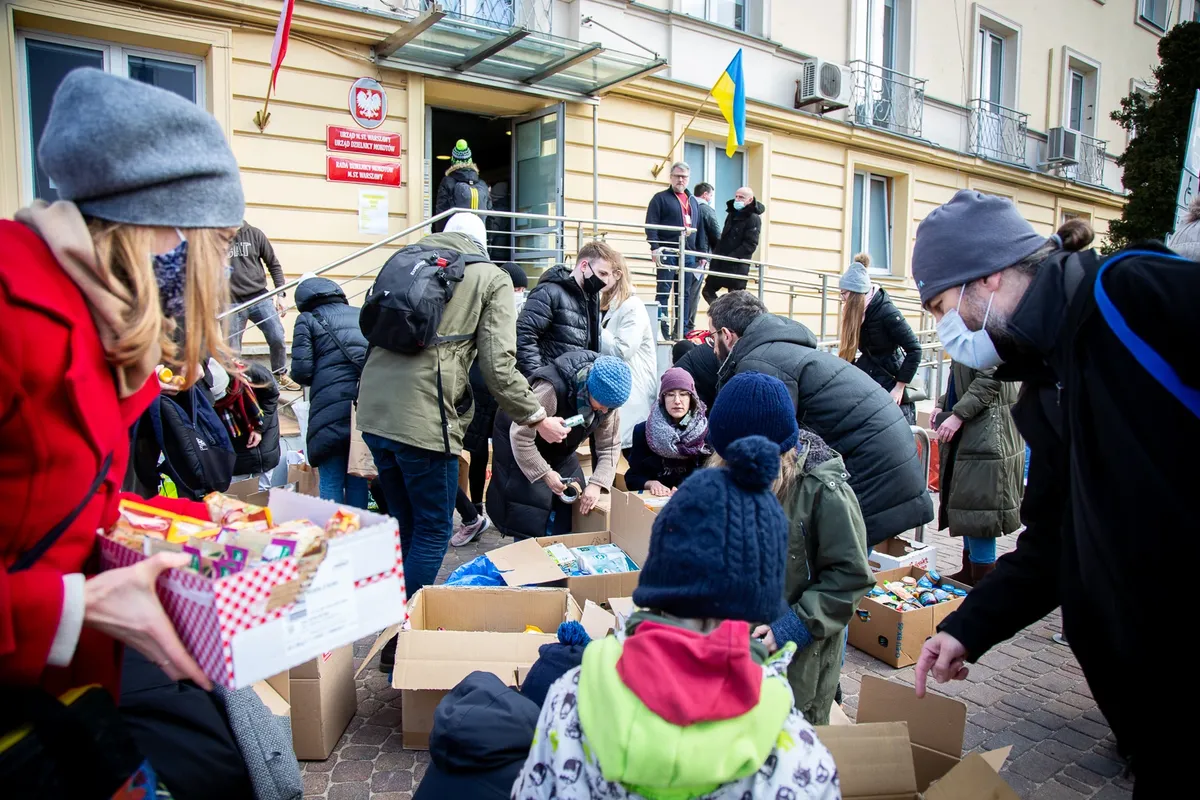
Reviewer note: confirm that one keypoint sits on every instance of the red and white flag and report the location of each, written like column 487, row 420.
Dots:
column 282, row 31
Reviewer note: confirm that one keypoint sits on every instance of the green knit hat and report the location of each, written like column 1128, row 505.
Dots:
column 461, row 154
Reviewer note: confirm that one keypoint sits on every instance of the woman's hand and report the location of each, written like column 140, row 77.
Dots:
column 897, row 393
column 767, row 637
column 591, row 496
column 657, row 489
column 123, row 604
column 555, row 482
column 552, row 429
column 949, row 428
column 253, row 440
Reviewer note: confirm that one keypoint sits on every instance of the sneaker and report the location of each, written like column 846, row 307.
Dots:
column 287, row 384
column 1060, row 639
column 469, row 533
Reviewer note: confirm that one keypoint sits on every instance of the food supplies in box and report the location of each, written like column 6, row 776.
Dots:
column 896, row 617
column 566, row 559
column 602, row 559
column 267, row 618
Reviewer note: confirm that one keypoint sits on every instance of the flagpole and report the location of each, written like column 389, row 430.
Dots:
column 659, row 166
column 262, row 117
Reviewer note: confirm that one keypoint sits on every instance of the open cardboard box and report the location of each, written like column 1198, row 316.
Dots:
column 457, row 630
column 599, row 520
column 319, row 697
column 527, row 564
column 903, row 748
column 899, row 552
column 896, row 637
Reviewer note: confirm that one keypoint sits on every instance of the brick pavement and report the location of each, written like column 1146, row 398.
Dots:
column 1028, row 693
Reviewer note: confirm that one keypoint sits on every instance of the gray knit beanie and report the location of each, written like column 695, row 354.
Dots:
column 856, row 279
column 124, row 151
column 972, row 236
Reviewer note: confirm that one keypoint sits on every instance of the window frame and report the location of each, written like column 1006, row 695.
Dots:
column 710, row 163
column 116, row 62
column 864, row 232
column 1146, row 21
column 903, row 39
column 753, row 15
column 1010, row 34
column 1076, row 63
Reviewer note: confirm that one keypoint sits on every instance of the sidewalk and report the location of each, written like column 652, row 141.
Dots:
column 1028, row 693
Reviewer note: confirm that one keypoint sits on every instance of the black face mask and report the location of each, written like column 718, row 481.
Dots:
column 592, row 284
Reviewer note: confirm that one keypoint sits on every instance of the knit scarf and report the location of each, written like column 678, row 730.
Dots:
column 668, row 439
column 109, row 301
column 239, row 410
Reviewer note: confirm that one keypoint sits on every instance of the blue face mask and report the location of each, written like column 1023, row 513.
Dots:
column 170, row 272
column 738, row 205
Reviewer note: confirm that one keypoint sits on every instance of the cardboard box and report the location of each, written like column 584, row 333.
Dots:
column 596, row 521
column 898, row 552
column 320, row 698
column 596, row 621
column 896, row 637
column 251, row 625
column 903, row 748
column 526, row 563
column 457, row 630
column 301, row 479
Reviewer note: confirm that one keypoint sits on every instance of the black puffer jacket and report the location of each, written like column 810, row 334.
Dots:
column 265, row 457
column 889, row 350
column 739, row 239
column 459, row 173
column 851, row 413
column 557, row 318
column 326, row 320
column 480, row 430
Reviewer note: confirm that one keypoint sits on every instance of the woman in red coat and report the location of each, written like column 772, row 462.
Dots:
column 94, row 291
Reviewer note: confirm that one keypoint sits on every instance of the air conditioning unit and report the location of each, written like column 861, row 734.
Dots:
column 1062, row 146
column 823, row 84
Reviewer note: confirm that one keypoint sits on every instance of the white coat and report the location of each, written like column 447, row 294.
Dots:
column 627, row 335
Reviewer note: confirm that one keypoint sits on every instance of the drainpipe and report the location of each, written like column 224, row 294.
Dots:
column 595, row 170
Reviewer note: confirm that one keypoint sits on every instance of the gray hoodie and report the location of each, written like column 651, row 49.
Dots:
column 1186, row 240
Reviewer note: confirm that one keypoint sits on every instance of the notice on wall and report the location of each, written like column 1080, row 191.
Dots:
column 373, row 211
column 348, row 170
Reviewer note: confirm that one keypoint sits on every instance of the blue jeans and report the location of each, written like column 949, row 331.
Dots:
column 340, row 486
column 420, row 487
column 667, row 277
column 264, row 315
column 980, row 551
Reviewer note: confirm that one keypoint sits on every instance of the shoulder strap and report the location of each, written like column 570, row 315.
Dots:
column 1145, row 355
column 34, row 554
column 345, row 350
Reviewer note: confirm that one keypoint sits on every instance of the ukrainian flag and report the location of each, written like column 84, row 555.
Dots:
column 730, row 94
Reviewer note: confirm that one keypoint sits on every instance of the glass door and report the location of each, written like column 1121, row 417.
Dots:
column 537, row 182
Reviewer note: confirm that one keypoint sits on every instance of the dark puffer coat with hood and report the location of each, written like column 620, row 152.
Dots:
column 265, row 457
column 327, row 320
column 459, row 173
column 558, row 317
column 852, row 413
column 888, row 348
column 739, row 239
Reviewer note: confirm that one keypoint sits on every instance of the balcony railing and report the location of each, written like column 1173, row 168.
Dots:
column 997, row 132
column 1090, row 169
column 531, row 14
column 885, row 98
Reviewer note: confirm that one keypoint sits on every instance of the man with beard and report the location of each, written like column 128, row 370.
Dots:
column 835, row 400
column 1110, row 398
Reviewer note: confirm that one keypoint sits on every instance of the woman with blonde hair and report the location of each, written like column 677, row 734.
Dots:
column 875, row 337
column 126, row 272
column 626, row 334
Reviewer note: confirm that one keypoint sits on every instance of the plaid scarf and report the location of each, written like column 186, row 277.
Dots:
column 669, row 439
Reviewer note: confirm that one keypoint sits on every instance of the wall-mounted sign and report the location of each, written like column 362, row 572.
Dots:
column 373, row 211
column 340, row 169
column 352, row 140
column 368, row 103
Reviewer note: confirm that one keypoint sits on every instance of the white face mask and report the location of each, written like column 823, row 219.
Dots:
column 972, row 348
column 518, row 301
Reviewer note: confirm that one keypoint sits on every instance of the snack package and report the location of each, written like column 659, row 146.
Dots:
column 225, row 510
column 602, row 559
column 307, row 535
column 561, row 554
column 342, row 522
column 137, row 521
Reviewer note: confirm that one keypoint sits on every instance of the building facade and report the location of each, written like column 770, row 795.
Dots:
column 570, row 104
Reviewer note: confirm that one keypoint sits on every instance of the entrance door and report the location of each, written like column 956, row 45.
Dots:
column 537, row 167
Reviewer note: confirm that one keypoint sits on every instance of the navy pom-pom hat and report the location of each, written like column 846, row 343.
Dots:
column 718, row 547
column 753, row 404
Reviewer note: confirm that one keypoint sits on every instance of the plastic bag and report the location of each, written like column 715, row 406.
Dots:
column 477, row 572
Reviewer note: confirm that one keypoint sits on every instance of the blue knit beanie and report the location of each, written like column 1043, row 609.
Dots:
column 753, row 404
column 555, row 660
column 718, row 548
column 610, row 382
column 972, row 236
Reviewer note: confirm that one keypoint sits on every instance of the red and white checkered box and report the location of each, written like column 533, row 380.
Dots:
column 357, row 590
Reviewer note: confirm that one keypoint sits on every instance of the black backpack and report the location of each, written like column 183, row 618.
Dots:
column 404, row 306
column 470, row 194
column 196, row 452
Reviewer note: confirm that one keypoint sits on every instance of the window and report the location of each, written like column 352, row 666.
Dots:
column 871, row 230
column 44, row 60
column 997, row 56
column 1154, row 12
column 742, row 15
column 710, row 165
column 883, row 33
column 1075, row 101
column 1079, row 92
column 991, row 68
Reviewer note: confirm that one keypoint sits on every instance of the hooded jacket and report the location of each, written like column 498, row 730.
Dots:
column 558, row 317
column 847, row 409
column 739, row 239
column 264, row 457
column 456, row 174
column 888, row 349
column 722, row 727
column 328, row 353
column 480, row 739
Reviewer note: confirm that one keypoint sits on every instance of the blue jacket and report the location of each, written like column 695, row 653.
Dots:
column 664, row 209
column 326, row 320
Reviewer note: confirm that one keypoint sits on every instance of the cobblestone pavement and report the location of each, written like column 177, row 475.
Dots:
column 1028, row 693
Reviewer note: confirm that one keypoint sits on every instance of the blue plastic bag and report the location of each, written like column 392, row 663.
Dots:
column 477, row 572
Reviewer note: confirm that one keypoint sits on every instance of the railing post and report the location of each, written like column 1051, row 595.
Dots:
column 791, row 301
column 824, row 302
column 681, row 287
column 761, row 287
column 578, row 240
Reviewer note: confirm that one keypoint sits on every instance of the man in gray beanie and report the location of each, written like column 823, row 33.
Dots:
column 1111, row 389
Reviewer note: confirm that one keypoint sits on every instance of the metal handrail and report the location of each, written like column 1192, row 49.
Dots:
column 886, row 98
column 1090, row 169
column 997, row 132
